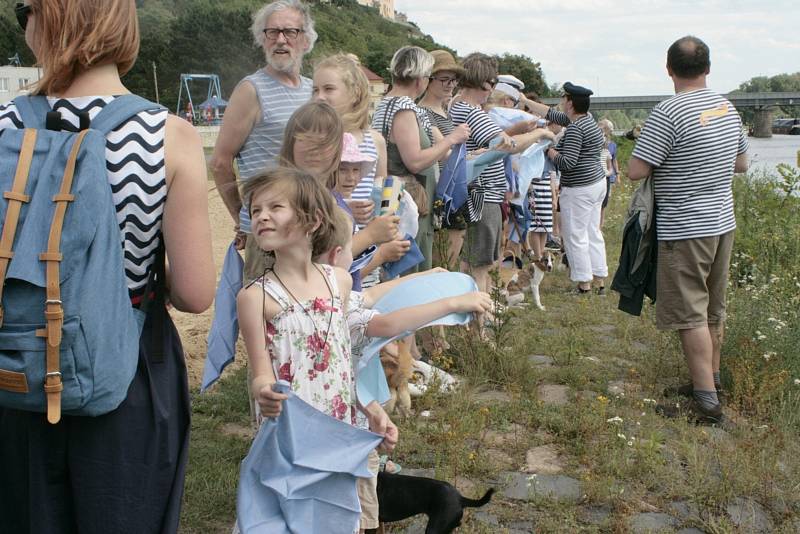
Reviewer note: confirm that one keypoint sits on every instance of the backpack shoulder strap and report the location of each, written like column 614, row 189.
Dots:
column 32, row 110
column 121, row 109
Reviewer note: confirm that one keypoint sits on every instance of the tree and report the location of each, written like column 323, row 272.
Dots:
column 527, row 70
column 771, row 84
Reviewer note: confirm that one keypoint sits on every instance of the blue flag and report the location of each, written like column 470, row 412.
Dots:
column 225, row 326
column 300, row 474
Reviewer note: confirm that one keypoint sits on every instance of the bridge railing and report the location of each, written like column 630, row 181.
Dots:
column 740, row 100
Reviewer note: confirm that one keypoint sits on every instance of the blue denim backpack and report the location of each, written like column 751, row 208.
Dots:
column 69, row 336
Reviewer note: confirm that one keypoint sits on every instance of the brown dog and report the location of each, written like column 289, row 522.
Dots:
column 398, row 365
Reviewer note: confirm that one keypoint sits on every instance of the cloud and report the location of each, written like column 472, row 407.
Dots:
column 618, row 45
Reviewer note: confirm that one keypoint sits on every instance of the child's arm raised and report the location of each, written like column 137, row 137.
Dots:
column 413, row 317
column 253, row 308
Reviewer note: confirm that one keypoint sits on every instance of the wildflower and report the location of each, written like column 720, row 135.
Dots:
column 621, row 436
column 602, row 400
column 649, row 401
column 615, row 419
column 797, row 381
column 630, row 443
column 768, row 355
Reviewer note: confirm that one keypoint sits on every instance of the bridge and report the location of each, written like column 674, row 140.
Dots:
column 761, row 102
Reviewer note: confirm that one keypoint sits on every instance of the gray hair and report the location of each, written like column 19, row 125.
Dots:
column 261, row 16
column 411, row 63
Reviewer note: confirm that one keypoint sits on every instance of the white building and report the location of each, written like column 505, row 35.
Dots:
column 15, row 80
column 384, row 7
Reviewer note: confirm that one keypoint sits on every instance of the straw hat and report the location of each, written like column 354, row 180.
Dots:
column 443, row 60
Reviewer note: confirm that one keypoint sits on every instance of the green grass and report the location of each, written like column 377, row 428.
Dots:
column 656, row 463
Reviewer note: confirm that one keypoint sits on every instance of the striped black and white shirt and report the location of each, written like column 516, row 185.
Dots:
column 692, row 141
column 136, row 174
column 491, row 185
column 578, row 150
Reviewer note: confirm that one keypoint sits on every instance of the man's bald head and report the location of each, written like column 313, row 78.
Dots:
column 688, row 58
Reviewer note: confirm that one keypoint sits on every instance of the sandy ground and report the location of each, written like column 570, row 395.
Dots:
column 194, row 328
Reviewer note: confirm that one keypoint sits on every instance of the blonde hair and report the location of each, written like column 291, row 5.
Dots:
column 316, row 122
column 355, row 81
column 73, row 36
column 312, row 203
column 342, row 228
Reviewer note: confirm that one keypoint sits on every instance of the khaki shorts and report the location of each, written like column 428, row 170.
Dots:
column 368, row 494
column 691, row 282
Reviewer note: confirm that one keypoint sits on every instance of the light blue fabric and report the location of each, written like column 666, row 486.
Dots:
column 363, row 259
column 371, row 381
column 225, row 326
column 530, row 167
column 300, row 474
column 505, row 118
column 476, row 166
column 99, row 337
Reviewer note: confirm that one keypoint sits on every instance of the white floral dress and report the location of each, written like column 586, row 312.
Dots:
column 314, row 359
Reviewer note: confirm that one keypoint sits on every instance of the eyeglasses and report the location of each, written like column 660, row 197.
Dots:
column 22, row 13
column 445, row 80
column 289, row 33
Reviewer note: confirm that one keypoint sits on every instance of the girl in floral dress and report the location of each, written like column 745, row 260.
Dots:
column 293, row 318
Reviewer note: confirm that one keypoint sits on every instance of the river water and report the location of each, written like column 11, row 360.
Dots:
column 766, row 153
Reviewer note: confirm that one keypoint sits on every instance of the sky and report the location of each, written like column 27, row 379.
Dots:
column 619, row 48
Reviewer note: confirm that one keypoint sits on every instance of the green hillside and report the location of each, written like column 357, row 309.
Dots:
column 210, row 36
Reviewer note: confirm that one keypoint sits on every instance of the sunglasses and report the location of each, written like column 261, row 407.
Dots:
column 22, row 12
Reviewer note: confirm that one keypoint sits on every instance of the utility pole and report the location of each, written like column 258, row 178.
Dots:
column 155, row 81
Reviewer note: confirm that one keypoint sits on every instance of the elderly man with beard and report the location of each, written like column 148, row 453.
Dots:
column 259, row 109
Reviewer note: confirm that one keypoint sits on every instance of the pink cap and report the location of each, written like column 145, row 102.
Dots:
column 351, row 154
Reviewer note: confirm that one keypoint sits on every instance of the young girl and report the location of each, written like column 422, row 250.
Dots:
column 313, row 143
column 340, row 81
column 292, row 318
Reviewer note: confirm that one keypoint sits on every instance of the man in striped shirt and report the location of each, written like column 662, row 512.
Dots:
column 259, row 109
column 583, row 186
column 691, row 145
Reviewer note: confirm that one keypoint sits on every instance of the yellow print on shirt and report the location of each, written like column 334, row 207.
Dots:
column 707, row 115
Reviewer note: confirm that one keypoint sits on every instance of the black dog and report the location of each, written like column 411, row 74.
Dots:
column 401, row 496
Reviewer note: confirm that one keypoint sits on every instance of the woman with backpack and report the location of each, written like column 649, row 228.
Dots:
column 120, row 471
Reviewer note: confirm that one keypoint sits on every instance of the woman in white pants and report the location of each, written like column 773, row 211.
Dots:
column 583, row 186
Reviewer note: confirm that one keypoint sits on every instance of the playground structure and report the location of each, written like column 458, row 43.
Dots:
column 208, row 112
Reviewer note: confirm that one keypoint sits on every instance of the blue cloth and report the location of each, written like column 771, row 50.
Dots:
column 300, row 474
column 505, row 118
column 370, row 379
column 476, row 166
column 531, row 166
column 410, row 259
column 225, row 326
column 451, row 188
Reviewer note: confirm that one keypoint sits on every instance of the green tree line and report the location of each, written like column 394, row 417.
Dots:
column 213, row 37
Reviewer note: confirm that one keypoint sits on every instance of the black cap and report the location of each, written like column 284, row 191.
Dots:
column 576, row 90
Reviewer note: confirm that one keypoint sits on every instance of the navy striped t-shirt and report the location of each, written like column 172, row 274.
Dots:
column 692, row 141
